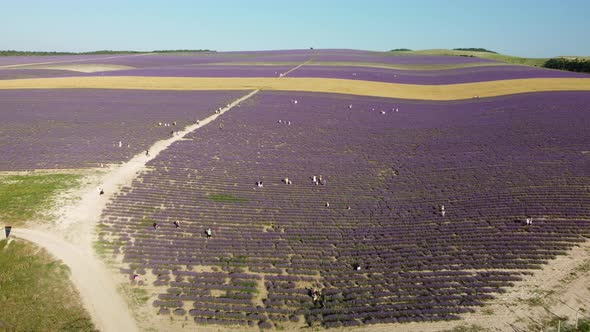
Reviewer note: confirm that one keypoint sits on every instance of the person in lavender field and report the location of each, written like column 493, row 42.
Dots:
column 314, row 179
column 147, row 153
column 176, row 223
column 327, row 204
column 317, row 297
column 442, row 210
column 100, row 191
column 209, row 233
column 120, row 144
column 259, row 184
column 155, row 225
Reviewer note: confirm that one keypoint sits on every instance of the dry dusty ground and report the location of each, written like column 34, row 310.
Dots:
column 328, row 85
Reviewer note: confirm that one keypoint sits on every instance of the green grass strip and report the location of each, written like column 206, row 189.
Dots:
column 24, row 197
column 35, row 292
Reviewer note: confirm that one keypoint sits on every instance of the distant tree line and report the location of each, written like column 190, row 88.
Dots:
column 400, row 49
column 472, row 49
column 43, row 53
column 577, row 65
column 177, row 51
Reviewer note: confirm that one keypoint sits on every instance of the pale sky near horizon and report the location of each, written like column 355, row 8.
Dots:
column 532, row 28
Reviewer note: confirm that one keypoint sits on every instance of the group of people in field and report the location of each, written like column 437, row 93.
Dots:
column 315, row 293
column 176, row 223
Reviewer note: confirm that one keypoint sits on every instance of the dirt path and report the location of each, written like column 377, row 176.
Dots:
column 72, row 237
column 93, row 280
column 296, row 67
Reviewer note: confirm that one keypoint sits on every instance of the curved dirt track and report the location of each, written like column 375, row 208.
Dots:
column 326, row 85
column 98, row 289
column 71, row 239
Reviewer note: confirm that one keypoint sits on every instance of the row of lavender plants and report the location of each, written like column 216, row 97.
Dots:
column 42, row 129
column 370, row 236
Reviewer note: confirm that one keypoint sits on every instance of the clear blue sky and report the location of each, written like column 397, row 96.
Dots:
column 535, row 28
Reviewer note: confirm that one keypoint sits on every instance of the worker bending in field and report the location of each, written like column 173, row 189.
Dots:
column 317, row 297
column 209, row 233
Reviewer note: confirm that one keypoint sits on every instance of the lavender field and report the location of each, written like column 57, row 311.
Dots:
column 432, row 77
column 46, row 129
column 325, row 210
column 201, row 71
column 371, row 235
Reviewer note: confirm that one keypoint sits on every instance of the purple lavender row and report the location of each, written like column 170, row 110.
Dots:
column 82, row 128
column 371, row 232
column 156, row 60
column 452, row 76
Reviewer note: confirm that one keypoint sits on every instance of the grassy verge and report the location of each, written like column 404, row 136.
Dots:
column 35, row 292
column 565, row 325
column 485, row 55
column 25, row 197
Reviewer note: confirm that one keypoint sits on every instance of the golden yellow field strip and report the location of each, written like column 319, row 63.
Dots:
column 329, row 85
